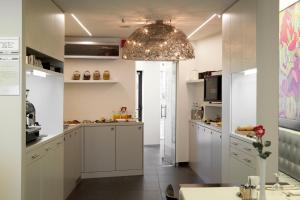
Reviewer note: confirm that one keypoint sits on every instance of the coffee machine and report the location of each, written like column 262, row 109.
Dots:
column 32, row 126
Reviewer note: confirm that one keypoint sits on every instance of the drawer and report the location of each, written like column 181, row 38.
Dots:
column 243, row 146
column 243, row 157
column 34, row 155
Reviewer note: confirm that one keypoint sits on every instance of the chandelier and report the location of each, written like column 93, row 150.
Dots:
column 158, row 42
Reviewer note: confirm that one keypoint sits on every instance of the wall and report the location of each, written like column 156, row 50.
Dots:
column 151, row 101
column 12, row 121
column 47, row 95
column 208, row 56
column 267, row 54
column 93, row 101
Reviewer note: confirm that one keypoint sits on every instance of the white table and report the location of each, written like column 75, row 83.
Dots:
column 224, row 193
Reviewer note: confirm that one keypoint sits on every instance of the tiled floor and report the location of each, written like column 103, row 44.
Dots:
column 151, row 186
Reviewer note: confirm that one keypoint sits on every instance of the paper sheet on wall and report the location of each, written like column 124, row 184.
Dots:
column 9, row 67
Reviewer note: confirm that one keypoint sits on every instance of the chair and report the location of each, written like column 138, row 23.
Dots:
column 170, row 194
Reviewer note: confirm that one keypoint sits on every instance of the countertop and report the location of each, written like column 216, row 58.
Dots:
column 44, row 140
column 210, row 126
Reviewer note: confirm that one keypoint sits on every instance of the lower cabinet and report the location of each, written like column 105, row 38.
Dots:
column 242, row 161
column 44, row 172
column 129, row 148
column 72, row 160
column 205, row 152
column 99, row 149
column 115, row 150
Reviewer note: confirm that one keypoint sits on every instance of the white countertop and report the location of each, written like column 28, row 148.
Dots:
column 210, row 126
column 224, row 193
column 44, row 140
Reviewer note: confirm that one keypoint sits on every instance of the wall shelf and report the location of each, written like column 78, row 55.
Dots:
column 92, row 81
column 195, row 81
column 30, row 68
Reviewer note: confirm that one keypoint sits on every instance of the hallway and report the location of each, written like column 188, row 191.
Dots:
column 151, row 186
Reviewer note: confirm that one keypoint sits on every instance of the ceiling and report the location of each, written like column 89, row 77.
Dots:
column 103, row 18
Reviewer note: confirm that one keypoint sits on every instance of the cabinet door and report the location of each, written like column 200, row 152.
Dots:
column 129, row 147
column 207, row 155
column 192, row 145
column 200, row 151
column 99, row 148
column 69, row 182
column 33, row 180
column 76, row 143
column 216, row 157
column 48, row 175
column 239, row 172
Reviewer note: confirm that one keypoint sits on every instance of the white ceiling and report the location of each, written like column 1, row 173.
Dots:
column 103, row 17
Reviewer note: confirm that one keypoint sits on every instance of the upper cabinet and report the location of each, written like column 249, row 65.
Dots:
column 45, row 28
column 240, row 35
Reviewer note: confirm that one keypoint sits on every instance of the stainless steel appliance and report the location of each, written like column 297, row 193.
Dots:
column 32, row 126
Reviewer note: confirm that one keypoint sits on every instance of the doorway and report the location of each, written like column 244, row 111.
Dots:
column 156, row 106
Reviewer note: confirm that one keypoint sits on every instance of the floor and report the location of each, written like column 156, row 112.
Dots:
column 151, row 186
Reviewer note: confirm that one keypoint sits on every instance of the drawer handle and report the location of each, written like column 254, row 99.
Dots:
column 247, row 149
column 247, row 160
column 235, row 144
column 35, row 156
column 58, row 143
column 48, row 149
column 112, row 128
column 235, row 154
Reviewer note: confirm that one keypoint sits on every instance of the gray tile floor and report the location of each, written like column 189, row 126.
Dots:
column 151, row 186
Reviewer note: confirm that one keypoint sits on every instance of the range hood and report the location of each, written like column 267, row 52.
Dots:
column 92, row 48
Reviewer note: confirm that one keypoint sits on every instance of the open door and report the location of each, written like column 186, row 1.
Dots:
column 168, row 110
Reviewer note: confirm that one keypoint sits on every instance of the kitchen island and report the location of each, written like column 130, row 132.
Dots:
column 102, row 150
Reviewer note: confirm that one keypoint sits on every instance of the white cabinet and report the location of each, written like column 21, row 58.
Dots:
column 216, row 157
column 239, row 33
column 72, row 159
column 99, row 148
column 44, row 172
column 205, row 152
column 242, row 161
column 33, row 176
column 129, row 147
column 45, row 28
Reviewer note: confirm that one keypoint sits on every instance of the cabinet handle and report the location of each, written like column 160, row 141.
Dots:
column 112, row 128
column 247, row 160
column 140, row 128
column 70, row 135
column 235, row 144
column 35, row 156
column 58, row 143
column 247, row 149
column 220, row 136
column 235, row 154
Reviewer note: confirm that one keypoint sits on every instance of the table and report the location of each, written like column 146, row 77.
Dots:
column 224, row 193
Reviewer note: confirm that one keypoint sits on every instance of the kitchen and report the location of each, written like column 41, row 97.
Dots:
column 83, row 110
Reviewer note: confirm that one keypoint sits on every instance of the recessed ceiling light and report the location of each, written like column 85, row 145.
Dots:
column 81, row 25
column 203, row 24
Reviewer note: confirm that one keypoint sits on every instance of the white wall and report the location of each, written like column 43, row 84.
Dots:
column 267, row 34
column 12, row 111
column 208, row 52
column 47, row 95
column 93, row 101
column 151, row 101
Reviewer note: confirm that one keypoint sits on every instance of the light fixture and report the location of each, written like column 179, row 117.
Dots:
column 158, row 42
column 39, row 73
column 203, row 24
column 81, row 25
column 250, row 71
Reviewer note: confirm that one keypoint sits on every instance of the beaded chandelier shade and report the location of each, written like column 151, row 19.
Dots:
column 158, row 42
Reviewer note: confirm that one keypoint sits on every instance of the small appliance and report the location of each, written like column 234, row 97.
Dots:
column 213, row 89
column 32, row 126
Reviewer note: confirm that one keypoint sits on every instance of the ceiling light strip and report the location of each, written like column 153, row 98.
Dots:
column 202, row 25
column 81, row 25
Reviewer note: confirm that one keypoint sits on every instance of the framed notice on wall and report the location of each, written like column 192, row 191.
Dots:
column 9, row 66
